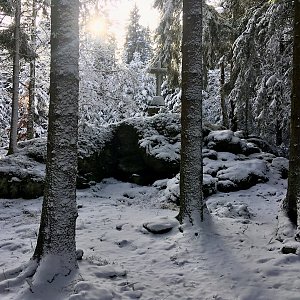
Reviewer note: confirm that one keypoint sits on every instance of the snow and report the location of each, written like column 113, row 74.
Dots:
column 239, row 171
column 234, row 256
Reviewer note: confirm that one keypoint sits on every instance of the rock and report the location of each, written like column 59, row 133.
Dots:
column 211, row 167
column 241, row 175
column 35, row 149
column 263, row 145
column 232, row 210
column 211, row 154
column 226, row 186
column 240, row 134
column 108, row 271
column 288, row 250
column 20, row 177
column 172, row 192
column 263, row 156
column 141, row 150
column 79, row 254
column 133, row 294
column 226, row 141
column 161, row 225
column 249, row 148
column 282, row 165
column 209, row 185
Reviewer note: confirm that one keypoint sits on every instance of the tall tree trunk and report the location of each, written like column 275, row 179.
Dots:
column 56, row 239
column 31, row 101
column 246, row 125
column 225, row 120
column 292, row 201
column 191, row 177
column 16, row 80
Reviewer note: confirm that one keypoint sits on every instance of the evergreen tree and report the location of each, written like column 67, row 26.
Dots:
column 138, row 39
column 191, row 170
column 216, row 37
column 168, row 37
column 259, row 91
column 28, row 53
column 292, row 201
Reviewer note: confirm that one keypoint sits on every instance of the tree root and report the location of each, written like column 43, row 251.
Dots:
column 17, row 276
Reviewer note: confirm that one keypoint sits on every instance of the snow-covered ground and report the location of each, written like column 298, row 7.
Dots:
column 234, row 256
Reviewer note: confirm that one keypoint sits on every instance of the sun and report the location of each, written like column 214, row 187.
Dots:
column 96, row 26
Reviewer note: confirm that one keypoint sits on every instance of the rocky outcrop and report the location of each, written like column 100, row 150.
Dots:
column 21, row 178
column 143, row 150
column 241, row 175
column 139, row 150
column 226, row 141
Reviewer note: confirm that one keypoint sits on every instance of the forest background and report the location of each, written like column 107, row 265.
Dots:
column 243, row 46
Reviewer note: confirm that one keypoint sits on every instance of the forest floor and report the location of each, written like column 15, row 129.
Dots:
column 235, row 255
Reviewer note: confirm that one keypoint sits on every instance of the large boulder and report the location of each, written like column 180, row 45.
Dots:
column 21, row 178
column 241, row 175
column 139, row 150
column 227, row 141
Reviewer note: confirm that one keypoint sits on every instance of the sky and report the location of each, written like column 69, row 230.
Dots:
column 149, row 16
column 120, row 15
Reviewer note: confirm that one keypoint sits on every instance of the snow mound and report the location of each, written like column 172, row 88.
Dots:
column 232, row 210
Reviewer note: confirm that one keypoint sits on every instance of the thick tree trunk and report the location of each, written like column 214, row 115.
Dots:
column 191, row 206
column 292, row 202
column 16, row 70
column 56, row 239
column 31, row 101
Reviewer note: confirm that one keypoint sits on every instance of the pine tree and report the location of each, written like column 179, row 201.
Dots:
column 168, row 38
column 138, row 38
column 191, row 170
column 56, row 247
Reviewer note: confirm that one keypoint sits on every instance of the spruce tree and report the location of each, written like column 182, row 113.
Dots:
column 138, row 39
column 169, row 34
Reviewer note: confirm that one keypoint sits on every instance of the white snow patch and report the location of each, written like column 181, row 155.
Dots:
column 234, row 256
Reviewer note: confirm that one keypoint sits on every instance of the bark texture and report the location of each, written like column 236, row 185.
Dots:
column 191, row 206
column 57, row 228
column 225, row 120
column 16, row 80
column 31, row 101
column 292, row 203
